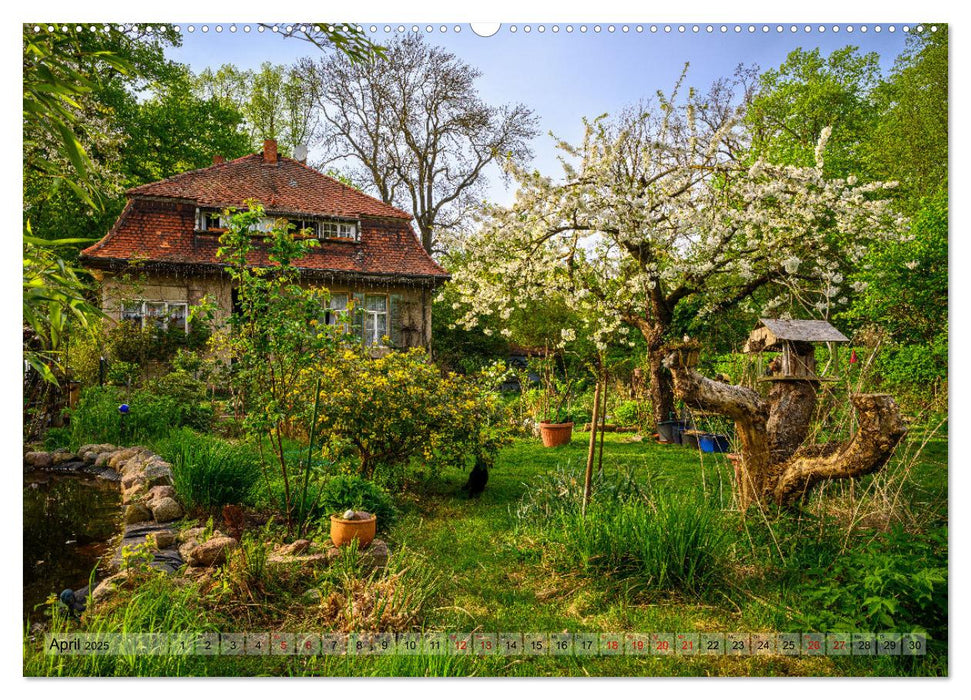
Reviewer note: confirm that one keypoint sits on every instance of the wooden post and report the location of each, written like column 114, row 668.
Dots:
column 603, row 425
column 588, row 477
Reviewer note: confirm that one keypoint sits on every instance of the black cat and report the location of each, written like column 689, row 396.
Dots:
column 477, row 479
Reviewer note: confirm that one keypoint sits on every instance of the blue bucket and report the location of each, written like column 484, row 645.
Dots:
column 711, row 442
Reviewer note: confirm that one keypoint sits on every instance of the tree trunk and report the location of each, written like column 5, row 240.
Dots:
column 791, row 409
column 774, row 467
column 661, row 388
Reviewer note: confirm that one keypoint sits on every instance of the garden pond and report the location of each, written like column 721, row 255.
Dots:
column 69, row 522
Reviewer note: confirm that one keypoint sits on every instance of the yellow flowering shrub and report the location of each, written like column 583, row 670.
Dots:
column 390, row 410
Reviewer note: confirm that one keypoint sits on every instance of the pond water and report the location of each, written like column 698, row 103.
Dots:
column 68, row 524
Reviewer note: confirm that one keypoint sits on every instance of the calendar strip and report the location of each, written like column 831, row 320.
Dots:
column 491, row 644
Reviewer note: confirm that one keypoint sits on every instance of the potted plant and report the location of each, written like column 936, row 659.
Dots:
column 353, row 525
column 554, row 430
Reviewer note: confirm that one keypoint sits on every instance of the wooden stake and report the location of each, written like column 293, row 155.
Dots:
column 603, row 426
column 588, row 477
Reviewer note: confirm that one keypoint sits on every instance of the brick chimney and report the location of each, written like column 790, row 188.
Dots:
column 218, row 160
column 269, row 151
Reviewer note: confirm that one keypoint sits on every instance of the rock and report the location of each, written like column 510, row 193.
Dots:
column 185, row 549
column 63, row 455
column 102, row 459
column 158, row 475
column 133, row 493
column 157, row 492
column 192, row 533
column 212, row 551
column 294, row 549
column 375, row 556
column 166, row 509
column 38, row 460
column 123, row 456
column 108, row 587
column 131, row 467
column 131, row 480
column 89, row 453
column 136, row 513
column 165, row 539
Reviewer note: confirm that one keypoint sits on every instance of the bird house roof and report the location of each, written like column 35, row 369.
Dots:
column 771, row 332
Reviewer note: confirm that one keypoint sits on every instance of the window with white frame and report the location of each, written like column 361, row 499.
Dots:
column 375, row 318
column 336, row 307
column 156, row 314
column 346, row 230
column 210, row 221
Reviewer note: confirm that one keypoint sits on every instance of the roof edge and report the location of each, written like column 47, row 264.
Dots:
column 116, row 264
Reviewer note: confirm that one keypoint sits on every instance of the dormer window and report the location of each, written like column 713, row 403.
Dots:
column 345, row 230
column 210, row 220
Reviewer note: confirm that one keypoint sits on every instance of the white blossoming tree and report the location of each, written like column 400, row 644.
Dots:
column 658, row 205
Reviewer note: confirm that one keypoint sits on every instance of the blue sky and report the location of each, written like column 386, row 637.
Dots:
column 565, row 76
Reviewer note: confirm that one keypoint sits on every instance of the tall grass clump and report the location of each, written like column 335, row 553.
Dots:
column 208, row 472
column 632, row 530
column 97, row 419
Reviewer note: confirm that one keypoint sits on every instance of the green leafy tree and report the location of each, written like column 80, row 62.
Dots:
column 902, row 287
column 276, row 102
column 175, row 130
column 274, row 341
column 808, row 93
column 909, row 142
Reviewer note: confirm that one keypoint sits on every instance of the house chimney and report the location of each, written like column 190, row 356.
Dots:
column 269, row 151
column 218, row 160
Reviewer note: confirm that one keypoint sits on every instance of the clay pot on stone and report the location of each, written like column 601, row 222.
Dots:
column 555, row 434
column 361, row 527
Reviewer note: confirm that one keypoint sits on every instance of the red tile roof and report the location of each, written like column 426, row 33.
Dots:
column 158, row 223
column 286, row 185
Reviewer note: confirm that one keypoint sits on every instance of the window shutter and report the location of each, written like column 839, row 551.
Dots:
column 395, row 321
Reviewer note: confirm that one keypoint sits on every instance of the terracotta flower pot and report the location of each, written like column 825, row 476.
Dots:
column 555, row 434
column 343, row 531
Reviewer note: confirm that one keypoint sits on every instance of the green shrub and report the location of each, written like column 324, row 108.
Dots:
column 190, row 395
column 345, row 492
column 627, row 413
column 897, row 583
column 57, row 437
column 208, row 472
column 663, row 540
column 918, row 367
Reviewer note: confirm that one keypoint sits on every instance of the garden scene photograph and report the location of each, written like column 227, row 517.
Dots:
column 513, row 350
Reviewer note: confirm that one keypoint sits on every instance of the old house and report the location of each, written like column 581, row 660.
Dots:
column 160, row 256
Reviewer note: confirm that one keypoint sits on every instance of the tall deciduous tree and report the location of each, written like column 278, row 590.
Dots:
column 414, row 124
column 653, row 209
column 910, row 139
column 276, row 102
column 807, row 93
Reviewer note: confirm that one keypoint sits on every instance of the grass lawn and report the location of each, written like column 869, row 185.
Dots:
column 496, row 575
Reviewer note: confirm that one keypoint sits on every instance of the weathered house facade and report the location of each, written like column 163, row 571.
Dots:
column 159, row 258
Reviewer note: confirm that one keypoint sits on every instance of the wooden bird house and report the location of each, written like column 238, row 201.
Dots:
column 795, row 342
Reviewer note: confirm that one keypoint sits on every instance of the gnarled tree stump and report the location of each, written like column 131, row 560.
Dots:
column 775, row 466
